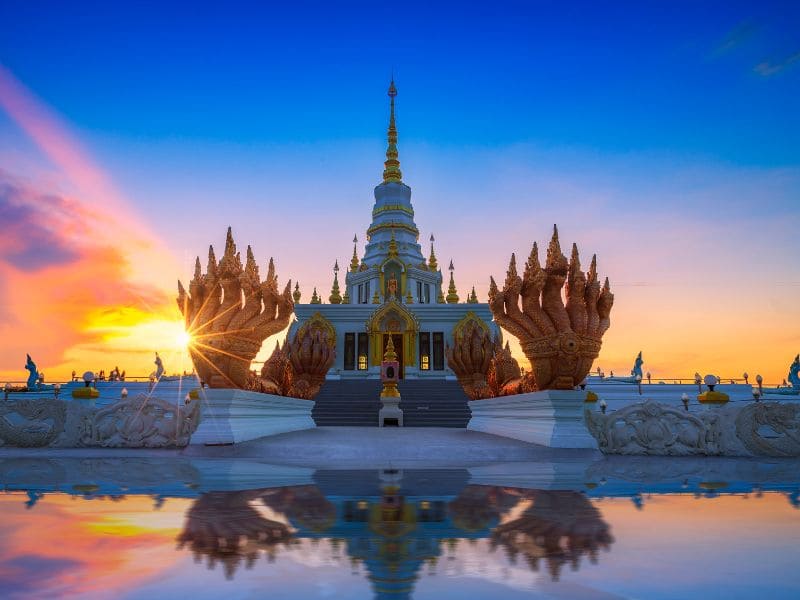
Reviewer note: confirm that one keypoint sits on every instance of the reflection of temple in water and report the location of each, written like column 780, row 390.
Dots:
column 394, row 524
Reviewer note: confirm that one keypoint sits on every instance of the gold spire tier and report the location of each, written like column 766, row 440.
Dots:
column 452, row 293
column 336, row 296
column 391, row 172
column 433, row 264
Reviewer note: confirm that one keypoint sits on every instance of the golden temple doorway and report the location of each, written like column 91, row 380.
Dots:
column 397, row 341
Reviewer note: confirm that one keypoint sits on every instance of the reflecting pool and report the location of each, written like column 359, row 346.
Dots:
column 215, row 528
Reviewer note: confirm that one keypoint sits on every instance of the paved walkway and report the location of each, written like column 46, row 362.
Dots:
column 373, row 446
column 337, row 447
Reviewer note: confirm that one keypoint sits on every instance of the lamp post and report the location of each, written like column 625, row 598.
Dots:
column 56, row 390
column 648, row 378
column 759, row 381
column 756, row 395
column 698, row 381
column 88, row 378
column 745, row 375
column 685, row 400
column 6, row 390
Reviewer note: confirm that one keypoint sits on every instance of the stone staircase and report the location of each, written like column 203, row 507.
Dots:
column 424, row 403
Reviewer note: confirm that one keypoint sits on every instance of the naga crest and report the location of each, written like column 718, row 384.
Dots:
column 229, row 312
column 561, row 340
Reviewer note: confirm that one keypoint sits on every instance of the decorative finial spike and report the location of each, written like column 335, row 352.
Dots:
column 391, row 172
column 451, row 267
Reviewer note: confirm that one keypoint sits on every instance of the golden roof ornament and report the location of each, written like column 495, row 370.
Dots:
column 452, row 293
column 432, row 263
column 296, row 293
column 354, row 263
column 335, row 297
column 315, row 298
column 391, row 172
column 392, row 246
column 390, row 354
column 473, row 297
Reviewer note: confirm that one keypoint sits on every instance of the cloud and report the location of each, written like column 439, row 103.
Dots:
column 768, row 68
column 60, row 281
column 30, row 242
column 736, row 37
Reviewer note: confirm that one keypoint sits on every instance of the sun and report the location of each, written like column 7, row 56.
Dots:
column 183, row 340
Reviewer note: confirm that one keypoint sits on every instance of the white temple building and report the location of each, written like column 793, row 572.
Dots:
column 392, row 290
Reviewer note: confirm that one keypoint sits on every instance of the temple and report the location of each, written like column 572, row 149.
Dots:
column 392, row 290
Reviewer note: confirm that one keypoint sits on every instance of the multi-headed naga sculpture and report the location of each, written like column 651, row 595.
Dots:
column 229, row 312
column 561, row 340
column 484, row 368
column 298, row 368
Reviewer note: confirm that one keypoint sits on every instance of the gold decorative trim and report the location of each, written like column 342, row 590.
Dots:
column 318, row 321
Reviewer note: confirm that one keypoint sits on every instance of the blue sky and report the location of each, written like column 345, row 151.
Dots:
column 627, row 77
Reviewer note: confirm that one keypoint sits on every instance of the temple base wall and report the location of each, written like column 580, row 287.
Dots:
column 231, row 416
column 552, row 418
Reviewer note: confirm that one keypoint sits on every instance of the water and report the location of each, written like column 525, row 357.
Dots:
column 218, row 528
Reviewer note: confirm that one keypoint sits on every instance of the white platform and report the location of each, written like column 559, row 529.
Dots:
column 231, row 416
column 552, row 418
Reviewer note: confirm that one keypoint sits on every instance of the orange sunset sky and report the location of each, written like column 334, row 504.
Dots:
column 113, row 179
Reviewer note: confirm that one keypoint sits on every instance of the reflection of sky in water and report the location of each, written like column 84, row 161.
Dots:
column 676, row 546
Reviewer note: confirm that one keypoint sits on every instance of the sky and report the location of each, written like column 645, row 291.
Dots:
column 662, row 136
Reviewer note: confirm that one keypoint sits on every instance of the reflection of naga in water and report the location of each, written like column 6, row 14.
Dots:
column 557, row 526
column 228, row 527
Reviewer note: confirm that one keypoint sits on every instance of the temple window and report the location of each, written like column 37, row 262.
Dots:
column 363, row 351
column 424, row 351
column 349, row 351
column 420, row 297
column 438, row 351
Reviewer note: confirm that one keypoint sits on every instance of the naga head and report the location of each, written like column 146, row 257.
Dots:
column 560, row 339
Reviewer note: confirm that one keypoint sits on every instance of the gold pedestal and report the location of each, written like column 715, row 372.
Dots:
column 713, row 398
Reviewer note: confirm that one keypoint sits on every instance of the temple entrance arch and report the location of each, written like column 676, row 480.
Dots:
column 392, row 318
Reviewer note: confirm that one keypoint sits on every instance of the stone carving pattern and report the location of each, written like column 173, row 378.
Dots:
column 139, row 422
column 782, row 418
column 229, row 312
column 756, row 429
column 561, row 340
column 653, row 428
column 44, row 420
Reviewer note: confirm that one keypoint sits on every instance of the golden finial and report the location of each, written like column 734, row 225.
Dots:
column 452, row 294
column 473, row 297
column 315, row 298
column 392, row 173
column 335, row 297
column 432, row 263
column 390, row 354
column 392, row 246
column 354, row 261
column 296, row 293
